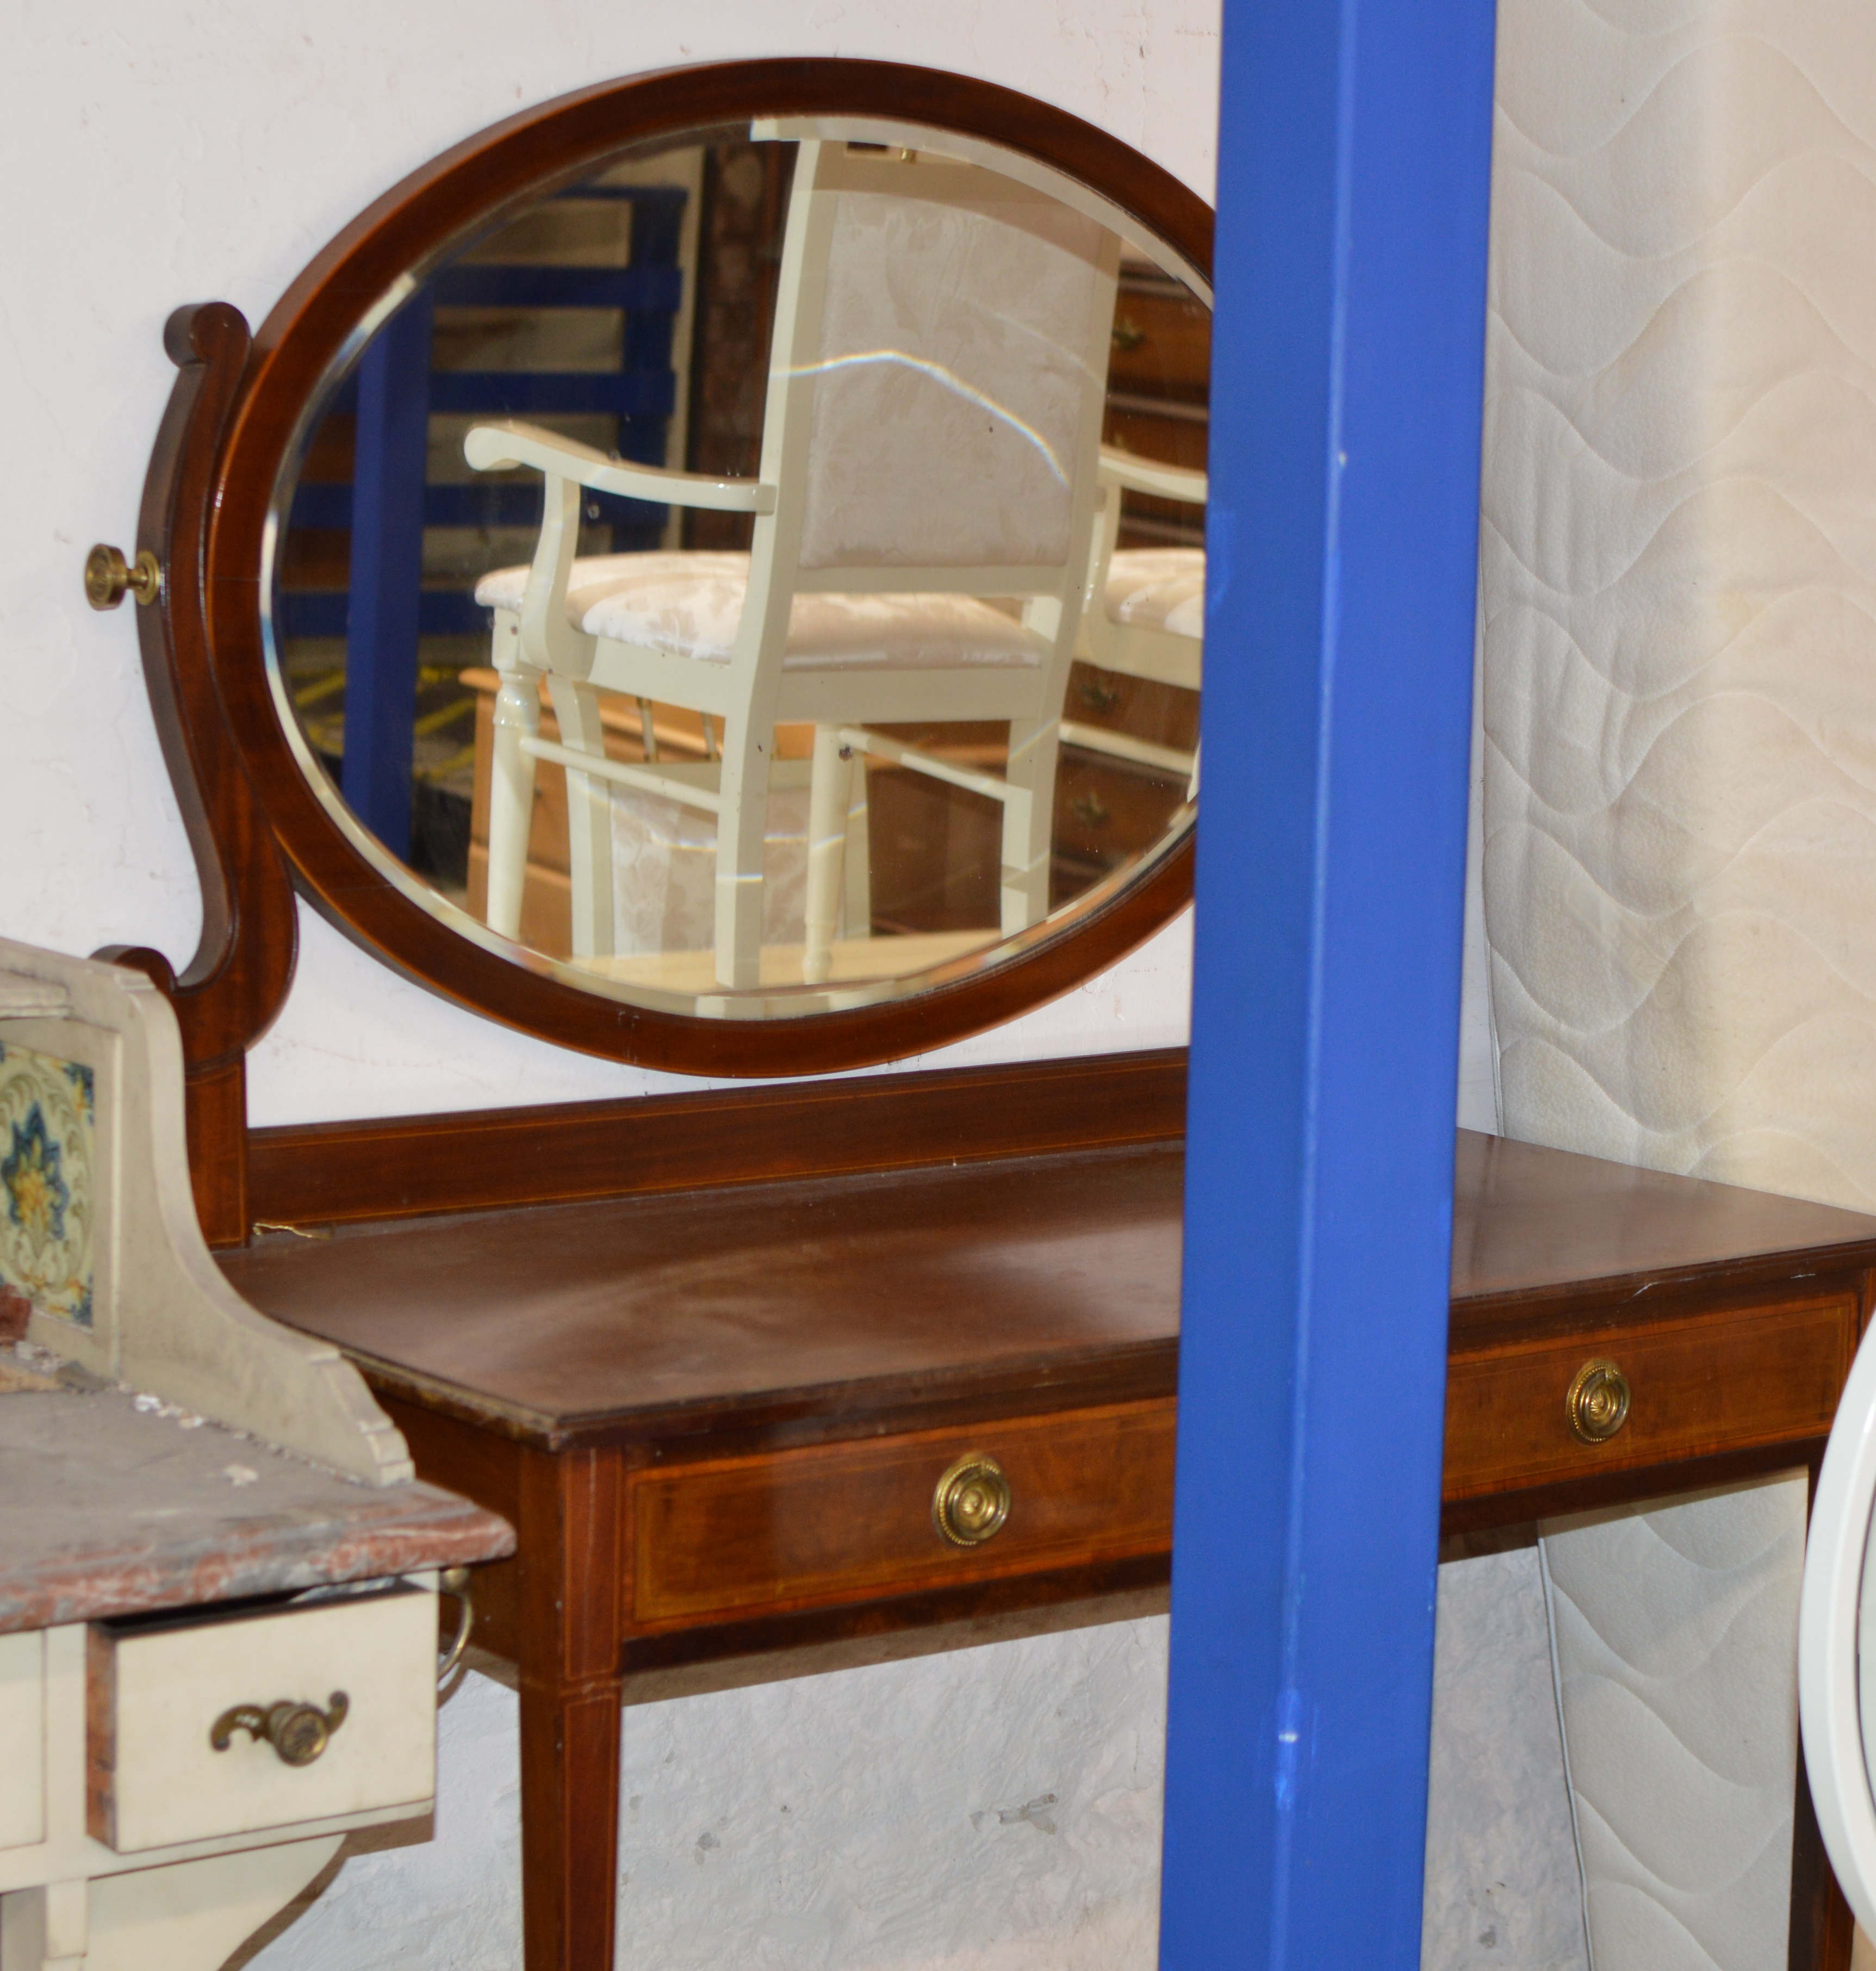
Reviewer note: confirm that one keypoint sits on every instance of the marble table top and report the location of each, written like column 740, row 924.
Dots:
column 112, row 1503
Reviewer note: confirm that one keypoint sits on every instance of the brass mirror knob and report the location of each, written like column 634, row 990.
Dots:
column 972, row 1500
column 108, row 577
column 298, row 1732
column 1597, row 1403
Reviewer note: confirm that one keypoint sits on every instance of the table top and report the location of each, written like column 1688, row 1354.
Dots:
column 1533, row 1226
column 751, row 1305
column 116, row 1503
column 759, row 1306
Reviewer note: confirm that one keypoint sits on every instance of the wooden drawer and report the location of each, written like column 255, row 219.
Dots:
column 1720, row 1381
column 22, row 1739
column 1167, row 715
column 1108, row 811
column 1162, row 343
column 157, row 1692
column 837, row 1522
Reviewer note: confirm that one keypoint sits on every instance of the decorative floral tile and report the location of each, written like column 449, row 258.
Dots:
column 48, row 1120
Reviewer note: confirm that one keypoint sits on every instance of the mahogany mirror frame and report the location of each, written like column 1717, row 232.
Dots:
column 259, row 831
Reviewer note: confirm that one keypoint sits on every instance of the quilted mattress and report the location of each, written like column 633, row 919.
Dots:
column 1678, row 634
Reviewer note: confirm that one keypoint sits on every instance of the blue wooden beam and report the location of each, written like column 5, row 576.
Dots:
column 1342, row 541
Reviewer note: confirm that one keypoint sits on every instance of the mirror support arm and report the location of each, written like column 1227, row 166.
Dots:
column 227, row 994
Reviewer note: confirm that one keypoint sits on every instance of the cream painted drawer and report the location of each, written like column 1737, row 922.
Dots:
column 156, row 1695
column 22, row 1740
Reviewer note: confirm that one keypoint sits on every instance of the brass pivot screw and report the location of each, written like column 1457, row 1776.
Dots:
column 109, row 577
column 972, row 1500
column 1597, row 1404
column 298, row 1732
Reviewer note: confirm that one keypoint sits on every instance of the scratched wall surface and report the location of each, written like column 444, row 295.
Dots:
column 1678, row 586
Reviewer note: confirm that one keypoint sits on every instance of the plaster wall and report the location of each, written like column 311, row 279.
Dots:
column 165, row 150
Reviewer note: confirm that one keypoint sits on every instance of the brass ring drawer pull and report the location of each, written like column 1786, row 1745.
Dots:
column 298, row 1732
column 1597, row 1404
column 454, row 1581
column 972, row 1500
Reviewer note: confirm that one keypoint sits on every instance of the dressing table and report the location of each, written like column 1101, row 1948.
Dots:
column 758, row 1374
column 735, row 1415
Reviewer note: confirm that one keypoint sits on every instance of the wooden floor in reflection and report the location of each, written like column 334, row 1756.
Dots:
column 853, row 961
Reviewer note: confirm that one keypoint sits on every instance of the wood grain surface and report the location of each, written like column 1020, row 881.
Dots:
column 1533, row 1225
column 406, row 1166
column 838, row 1522
column 1717, row 1379
column 778, row 1312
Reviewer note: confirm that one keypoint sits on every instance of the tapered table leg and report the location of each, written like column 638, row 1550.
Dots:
column 570, row 1691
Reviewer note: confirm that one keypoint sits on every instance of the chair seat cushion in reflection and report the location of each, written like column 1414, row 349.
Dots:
column 930, row 449
column 689, row 604
column 1158, row 588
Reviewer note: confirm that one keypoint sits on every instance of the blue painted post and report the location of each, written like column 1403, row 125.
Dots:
column 388, row 458
column 1343, row 537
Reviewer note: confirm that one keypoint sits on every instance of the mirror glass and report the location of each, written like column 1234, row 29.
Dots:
column 764, row 576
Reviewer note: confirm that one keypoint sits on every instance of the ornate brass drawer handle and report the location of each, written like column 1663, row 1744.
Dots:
column 972, row 1500
column 1597, row 1404
column 298, row 1732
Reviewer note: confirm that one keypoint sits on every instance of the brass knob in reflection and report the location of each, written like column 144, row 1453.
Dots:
column 298, row 1732
column 972, row 1500
column 1597, row 1403
column 108, row 577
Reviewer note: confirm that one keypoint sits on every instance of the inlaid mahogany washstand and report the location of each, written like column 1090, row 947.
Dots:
column 761, row 1375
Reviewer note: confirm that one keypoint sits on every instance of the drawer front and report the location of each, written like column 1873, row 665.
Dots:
column 1162, row 345
column 1731, row 1380
column 22, row 1740
column 1166, row 714
column 838, row 1522
column 1107, row 810
column 155, row 1696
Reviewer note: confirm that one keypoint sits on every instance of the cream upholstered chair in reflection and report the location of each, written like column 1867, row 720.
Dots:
column 1145, row 612
column 931, row 439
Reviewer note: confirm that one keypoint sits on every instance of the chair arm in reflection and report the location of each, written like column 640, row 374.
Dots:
column 1144, row 614
column 1149, row 475
column 506, row 444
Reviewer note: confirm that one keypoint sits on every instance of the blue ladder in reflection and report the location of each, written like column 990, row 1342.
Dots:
column 386, row 608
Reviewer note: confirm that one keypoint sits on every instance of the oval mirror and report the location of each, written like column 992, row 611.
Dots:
column 751, row 573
